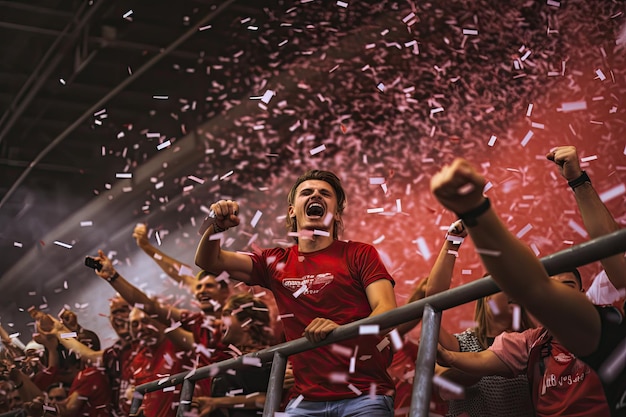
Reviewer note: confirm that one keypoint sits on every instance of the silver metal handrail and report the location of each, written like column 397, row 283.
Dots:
column 431, row 307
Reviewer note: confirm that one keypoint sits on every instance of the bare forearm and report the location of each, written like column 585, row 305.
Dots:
column 72, row 344
column 208, row 251
column 477, row 364
column 440, row 275
column 564, row 311
column 598, row 221
column 27, row 388
column 596, row 217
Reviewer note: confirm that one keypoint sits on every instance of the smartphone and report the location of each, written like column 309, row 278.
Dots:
column 93, row 263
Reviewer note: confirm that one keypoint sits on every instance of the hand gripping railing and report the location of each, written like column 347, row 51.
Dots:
column 430, row 307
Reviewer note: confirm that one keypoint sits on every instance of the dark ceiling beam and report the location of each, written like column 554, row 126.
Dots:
column 98, row 105
column 35, row 9
column 46, row 66
column 132, row 98
column 74, row 107
column 100, row 41
column 41, row 167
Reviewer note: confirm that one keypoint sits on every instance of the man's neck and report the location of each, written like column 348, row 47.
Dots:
column 312, row 245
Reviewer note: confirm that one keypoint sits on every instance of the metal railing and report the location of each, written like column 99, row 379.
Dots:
column 430, row 307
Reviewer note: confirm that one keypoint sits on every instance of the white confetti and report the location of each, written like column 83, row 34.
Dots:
column 423, row 248
column 396, row 340
column 317, row 150
column 297, row 401
column 613, row 193
column 247, row 360
column 448, row 385
column 492, row 140
column 517, row 317
column 573, row 106
column 86, row 223
column 163, row 145
column 64, row 245
column 300, row 291
column 378, row 240
column 256, row 218
column 524, row 230
column 527, row 138
column 589, row 158
column 267, row 96
column 354, row 389
column 196, row 179
column 577, row 228
column 228, row 174
column 494, row 307
column 369, row 329
column 529, row 111
column 123, row 175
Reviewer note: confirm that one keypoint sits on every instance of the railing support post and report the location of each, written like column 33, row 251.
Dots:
column 136, row 403
column 275, row 385
column 186, row 394
column 425, row 363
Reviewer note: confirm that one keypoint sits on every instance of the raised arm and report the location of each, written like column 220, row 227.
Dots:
column 13, row 345
column 596, row 217
column 66, row 338
column 169, row 265
column 132, row 294
column 565, row 312
column 210, row 256
column 440, row 276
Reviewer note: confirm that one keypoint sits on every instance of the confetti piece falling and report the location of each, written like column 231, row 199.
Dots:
column 256, row 218
column 423, row 248
column 64, row 245
column 369, row 329
column 527, row 138
column 612, row 193
column 577, row 228
column 573, row 106
column 317, row 150
column 524, row 230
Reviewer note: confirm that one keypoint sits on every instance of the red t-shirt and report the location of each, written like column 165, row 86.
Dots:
column 329, row 283
column 93, row 385
column 568, row 387
column 116, row 360
column 151, row 363
column 209, row 349
column 402, row 371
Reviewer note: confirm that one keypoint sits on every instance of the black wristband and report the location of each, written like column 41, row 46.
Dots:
column 577, row 182
column 112, row 278
column 470, row 217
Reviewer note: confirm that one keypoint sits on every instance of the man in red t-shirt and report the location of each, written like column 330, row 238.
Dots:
column 156, row 357
column 319, row 284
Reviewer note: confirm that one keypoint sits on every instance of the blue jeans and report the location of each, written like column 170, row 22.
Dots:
column 363, row 406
